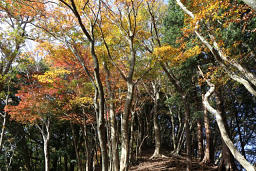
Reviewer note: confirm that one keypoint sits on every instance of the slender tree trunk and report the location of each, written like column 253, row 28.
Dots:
column 124, row 128
column 207, row 153
column 188, row 134
column 138, row 137
column 155, row 97
column 75, row 142
column 156, row 124
column 46, row 154
column 178, row 87
column 227, row 158
column 113, row 126
column 141, row 137
column 180, row 136
column 88, row 151
column 132, row 137
column 4, row 116
column 99, row 102
column 99, row 99
column 173, row 129
column 180, row 141
column 3, row 130
column 199, row 140
column 45, row 132
column 114, row 141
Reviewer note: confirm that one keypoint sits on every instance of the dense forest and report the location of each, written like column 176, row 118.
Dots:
column 100, row 84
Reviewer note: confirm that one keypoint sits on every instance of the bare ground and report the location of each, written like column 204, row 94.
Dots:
column 169, row 162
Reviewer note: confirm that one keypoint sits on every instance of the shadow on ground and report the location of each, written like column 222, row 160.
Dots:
column 170, row 162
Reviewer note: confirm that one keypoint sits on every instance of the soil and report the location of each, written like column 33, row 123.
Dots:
column 169, row 162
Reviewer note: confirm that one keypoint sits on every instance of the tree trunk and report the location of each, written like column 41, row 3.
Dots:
column 99, row 103
column 99, row 100
column 88, row 151
column 131, row 159
column 124, row 128
column 4, row 116
column 240, row 158
column 188, row 135
column 173, row 129
column 179, row 88
column 227, row 158
column 156, row 124
column 3, row 130
column 207, row 153
column 199, row 140
column 222, row 59
column 45, row 132
column 251, row 3
column 180, row 141
column 128, row 103
column 114, row 140
column 113, row 126
column 46, row 153
column 180, row 135
column 75, row 142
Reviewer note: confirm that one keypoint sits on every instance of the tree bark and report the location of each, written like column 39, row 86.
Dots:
column 114, row 140
column 88, row 151
column 131, row 159
column 155, row 97
column 112, row 116
column 199, row 140
column 157, row 135
column 46, row 153
column 227, row 158
column 4, row 116
column 99, row 106
column 173, row 129
column 188, row 135
column 124, row 128
column 251, row 3
column 45, row 132
column 75, row 142
column 240, row 158
column 207, row 154
column 156, row 126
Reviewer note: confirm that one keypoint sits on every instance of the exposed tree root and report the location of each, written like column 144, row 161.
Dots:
column 157, row 155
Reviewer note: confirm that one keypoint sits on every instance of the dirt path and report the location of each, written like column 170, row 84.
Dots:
column 167, row 163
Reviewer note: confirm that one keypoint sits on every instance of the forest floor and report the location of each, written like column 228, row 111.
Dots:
column 170, row 162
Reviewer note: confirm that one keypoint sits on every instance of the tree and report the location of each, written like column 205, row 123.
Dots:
column 221, row 57
column 13, row 35
column 37, row 105
column 237, row 155
column 128, row 21
column 88, row 28
column 165, row 52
